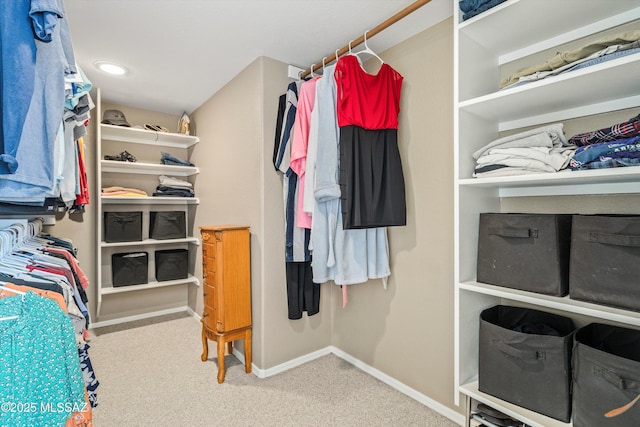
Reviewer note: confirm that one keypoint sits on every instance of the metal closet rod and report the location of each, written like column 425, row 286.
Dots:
column 370, row 33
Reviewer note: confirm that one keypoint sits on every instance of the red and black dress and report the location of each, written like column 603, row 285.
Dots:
column 371, row 177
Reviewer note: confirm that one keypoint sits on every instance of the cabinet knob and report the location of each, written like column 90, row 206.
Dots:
column 205, row 315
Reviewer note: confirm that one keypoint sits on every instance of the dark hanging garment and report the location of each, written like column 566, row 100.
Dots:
column 371, row 178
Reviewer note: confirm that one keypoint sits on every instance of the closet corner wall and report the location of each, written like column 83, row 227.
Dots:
column 505, row 35
column 117, row 304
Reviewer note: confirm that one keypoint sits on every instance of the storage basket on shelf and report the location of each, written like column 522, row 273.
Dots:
column 525, row 359
column 605, row 260
column 529, row 252
column 172, row 264
column 122, row 226
column 129, row 268
column 167, row 225
column 606, row 376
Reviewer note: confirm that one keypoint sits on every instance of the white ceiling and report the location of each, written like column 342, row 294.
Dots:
column 181, row 52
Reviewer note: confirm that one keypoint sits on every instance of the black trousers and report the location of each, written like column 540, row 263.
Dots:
column 302, row 293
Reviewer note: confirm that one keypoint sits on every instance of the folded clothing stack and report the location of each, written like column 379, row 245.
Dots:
column 173, row 187
column 170, row 159
column 490, row 417
column 472, row 8
column 615, row 146
column 539, row 150
column 602, row 50
column 123, row 192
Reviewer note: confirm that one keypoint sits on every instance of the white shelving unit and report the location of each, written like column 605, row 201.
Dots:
column 142, row 174
column 513, row 31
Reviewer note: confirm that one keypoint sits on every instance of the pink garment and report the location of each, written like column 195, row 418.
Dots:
column 298, row 162
column 73, row 263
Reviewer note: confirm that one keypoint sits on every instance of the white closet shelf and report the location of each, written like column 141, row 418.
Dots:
column 561, row 26
column 190, row 240
column 143, row 136
column 562, row 96
column 561, row 303
column 595, row 181
column 528, row 417
column 191, row 280
column 115, row 166
column 150, row 200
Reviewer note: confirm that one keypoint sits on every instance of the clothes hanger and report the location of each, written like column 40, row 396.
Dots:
column 323, row 64
column 312, row 75
column 3, row 289
column 367, row 49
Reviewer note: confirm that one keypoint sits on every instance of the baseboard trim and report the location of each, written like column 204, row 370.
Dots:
column 138, row 317
column 401, row 387
column 298, row 361
column 194, row 314
column 392, row 382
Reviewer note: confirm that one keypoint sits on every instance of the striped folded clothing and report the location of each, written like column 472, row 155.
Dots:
column 627, row 129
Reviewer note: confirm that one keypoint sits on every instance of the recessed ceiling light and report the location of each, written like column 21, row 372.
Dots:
column 111, row 68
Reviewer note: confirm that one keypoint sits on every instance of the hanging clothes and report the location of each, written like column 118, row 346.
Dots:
column 371, row 176
column 39, row 363
column 48, row 268
column 303, row 295
column 300, row 143
column 38, row 74
column 345, row 256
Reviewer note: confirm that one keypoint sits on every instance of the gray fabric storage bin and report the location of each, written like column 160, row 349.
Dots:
column 525, row 359
column 122, row 226
column 529, row 252
column 172, row 264
column 131, row 268
column 167, row 225
column 606, row 363
column 605, row 260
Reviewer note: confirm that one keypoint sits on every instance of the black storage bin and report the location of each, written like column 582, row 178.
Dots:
column 525, row 358
column 129, row 268
column 525, row 251
column 606, row 364
column 167, row 225
column 605, row 260
column 172, row 264
column 122, row 226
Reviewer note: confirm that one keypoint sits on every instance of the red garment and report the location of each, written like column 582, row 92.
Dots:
column 83, row 197
column 369, row 101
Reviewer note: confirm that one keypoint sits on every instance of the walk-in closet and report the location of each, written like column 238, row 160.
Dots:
column 319, row 213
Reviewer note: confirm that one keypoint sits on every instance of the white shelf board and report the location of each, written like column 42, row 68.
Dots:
column 621, row 180
column 107, row 200
column 115, row 166
column 514, row 18
column 557, row 94
column 190, row 240
column 143, row 136
column 560, row 303
column 191, row 280
column 528, row 417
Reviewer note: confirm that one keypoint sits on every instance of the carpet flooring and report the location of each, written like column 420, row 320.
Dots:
column 151, row 374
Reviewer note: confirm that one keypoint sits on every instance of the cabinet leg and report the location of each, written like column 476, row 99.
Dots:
column 230, row 347
column 247, row 351
column 205, row 346
column 220, row 360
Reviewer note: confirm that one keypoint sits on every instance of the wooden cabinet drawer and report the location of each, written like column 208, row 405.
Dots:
column 208, row 250
column 210, row 317
column 209, row 295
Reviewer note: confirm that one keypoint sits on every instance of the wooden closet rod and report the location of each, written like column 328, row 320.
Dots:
column 370, row 33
